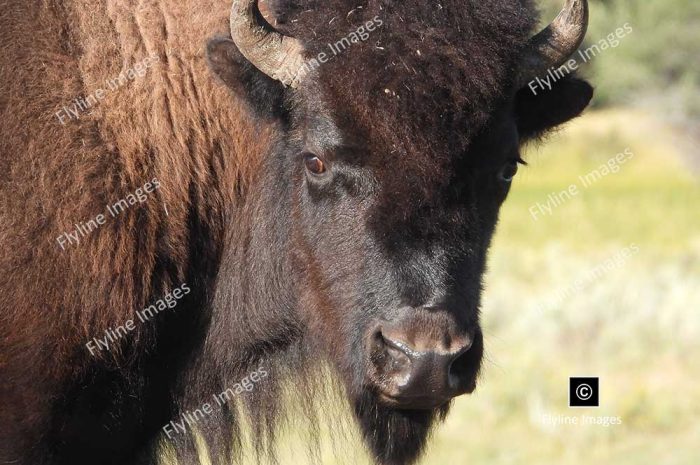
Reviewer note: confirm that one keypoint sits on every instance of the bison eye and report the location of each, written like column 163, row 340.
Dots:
column 508, row 171
column 314, row 164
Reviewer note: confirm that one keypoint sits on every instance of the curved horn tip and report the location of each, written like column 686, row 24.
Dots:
column 556, row 43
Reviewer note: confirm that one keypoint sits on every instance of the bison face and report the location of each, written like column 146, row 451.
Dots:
column 391, row 246
column 396, row 180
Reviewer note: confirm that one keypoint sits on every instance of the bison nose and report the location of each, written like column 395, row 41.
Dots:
column 424, row 369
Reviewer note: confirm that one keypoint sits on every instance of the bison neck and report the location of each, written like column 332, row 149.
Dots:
column 253, row 313
column 254, row 326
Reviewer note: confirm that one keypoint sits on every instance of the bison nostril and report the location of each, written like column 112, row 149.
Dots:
column 460, row 372
column 396, row 347
column 391, row 357
column 457, row 372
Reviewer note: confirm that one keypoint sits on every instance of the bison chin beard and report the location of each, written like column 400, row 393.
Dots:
column 395, row 437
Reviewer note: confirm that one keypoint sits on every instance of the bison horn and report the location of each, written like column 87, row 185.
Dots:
column 278, row 56
column 555, row 43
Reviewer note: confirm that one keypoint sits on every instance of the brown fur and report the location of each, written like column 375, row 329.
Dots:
column 175, row 124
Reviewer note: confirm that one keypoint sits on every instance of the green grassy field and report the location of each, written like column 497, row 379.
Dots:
column 555, row 306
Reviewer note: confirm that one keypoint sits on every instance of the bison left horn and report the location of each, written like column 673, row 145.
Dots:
column 278, row 56
column 555, row 43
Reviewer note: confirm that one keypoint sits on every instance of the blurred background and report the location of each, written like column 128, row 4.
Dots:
column 607, row 284
column 554, row 305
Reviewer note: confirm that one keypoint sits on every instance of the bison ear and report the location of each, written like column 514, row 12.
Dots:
column 265, row 96
column 543, row 109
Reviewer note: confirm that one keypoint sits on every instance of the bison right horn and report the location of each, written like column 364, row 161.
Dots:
column 278, row 56
column 555, row 43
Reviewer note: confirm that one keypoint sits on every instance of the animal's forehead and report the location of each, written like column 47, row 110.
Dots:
column 412, row 76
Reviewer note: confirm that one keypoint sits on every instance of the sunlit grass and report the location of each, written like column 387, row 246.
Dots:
column 650, row 200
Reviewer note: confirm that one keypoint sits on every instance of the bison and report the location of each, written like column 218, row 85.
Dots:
column 195, row 194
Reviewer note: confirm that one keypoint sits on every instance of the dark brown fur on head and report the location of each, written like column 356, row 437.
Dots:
column 415, row 122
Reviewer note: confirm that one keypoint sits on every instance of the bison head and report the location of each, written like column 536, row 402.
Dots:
column 398, row 135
